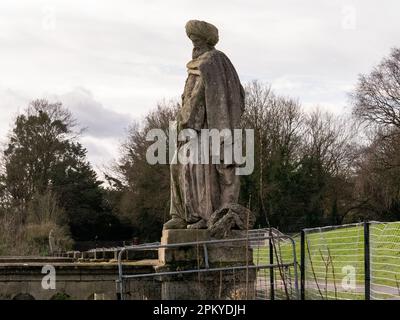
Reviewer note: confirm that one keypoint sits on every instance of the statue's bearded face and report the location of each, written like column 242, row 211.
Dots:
column 198, row 42
column 200, row 46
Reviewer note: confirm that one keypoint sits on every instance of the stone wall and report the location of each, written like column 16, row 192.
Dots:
column 78, row 281
column 93, row 275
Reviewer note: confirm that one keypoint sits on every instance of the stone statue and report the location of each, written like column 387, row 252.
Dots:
column 213, row 98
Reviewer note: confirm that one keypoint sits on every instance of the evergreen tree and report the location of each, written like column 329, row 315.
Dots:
column 43, row 155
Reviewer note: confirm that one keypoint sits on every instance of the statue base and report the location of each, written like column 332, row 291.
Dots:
column 233, row 280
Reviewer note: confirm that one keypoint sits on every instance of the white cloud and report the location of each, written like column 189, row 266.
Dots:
column 11, row 103
column 101, row 152
column 104, row 128
column 99, row 122
column 131, row 54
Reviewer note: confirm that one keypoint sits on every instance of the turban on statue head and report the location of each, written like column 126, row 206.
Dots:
column 204, row 30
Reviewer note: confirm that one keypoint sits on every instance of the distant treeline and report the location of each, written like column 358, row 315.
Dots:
column 311, row 169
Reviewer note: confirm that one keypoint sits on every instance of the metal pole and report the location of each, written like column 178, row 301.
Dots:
column 271, row 270
column 302, row 265
column 120, row 281
column 295, row 265
column 367, row 262
column 118, row 286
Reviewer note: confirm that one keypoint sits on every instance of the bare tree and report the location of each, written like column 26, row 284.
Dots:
column 331, row 139
column 142, row 189
column 377, row 96
column 376, row 103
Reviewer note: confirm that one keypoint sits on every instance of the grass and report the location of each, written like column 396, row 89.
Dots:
column 335, row 256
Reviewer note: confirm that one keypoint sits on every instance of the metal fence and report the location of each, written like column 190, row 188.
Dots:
column 275, row 246
column 270, row 272
column 266, row 232
column 353, row 261
column 346, row 262
column 384, row 260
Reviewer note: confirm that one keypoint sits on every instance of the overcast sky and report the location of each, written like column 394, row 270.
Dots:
column 110, row 62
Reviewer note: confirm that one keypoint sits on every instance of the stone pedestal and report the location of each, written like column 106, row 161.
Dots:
column 223, row 284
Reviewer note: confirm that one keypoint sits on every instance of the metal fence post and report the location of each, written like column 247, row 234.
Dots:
column 367, row 262
column 271, row 270
column 302, row 265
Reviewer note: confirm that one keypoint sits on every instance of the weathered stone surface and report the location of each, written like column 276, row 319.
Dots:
column 234, row 216
column 187, row 255
column 224, row 284
column 76, row 281
column 194, row 255
column 183, row 235
column 213, row 98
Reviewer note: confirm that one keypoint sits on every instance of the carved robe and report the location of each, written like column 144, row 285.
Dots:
column 213, row 98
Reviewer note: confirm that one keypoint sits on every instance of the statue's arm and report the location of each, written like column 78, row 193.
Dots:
column 192, row 114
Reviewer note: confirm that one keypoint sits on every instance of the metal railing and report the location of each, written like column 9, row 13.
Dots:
column 266, row 254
